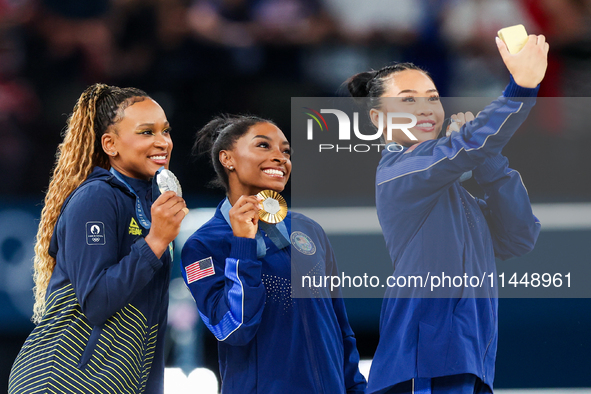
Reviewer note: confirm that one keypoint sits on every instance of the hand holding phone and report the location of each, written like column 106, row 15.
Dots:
column 514, row 37
column 527, row 65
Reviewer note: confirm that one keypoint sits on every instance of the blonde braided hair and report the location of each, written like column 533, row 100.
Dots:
column 98, row 107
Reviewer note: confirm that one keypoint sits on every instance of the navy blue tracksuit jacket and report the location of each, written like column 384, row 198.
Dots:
column 107, row 300
column 433, row 226
column 270, row 342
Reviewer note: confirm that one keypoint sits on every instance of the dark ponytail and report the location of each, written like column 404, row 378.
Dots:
column 358, row 83
column 371, row 84
column 221, row 133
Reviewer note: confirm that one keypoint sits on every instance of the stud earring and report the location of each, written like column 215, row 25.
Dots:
column 231, row 168
column 113, row 153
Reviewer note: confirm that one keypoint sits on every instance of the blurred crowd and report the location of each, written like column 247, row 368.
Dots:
column 198, row 58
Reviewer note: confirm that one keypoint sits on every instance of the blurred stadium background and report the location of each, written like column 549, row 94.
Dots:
column 198, row 58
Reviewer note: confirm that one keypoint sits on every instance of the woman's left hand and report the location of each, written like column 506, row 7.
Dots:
column 458, row 120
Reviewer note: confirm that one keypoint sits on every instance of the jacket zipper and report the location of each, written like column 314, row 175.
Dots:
column 311, row 352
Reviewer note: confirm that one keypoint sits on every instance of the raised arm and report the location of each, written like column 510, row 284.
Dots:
column 231, row 297
column 103, row 282
column 418, row 175
column 421, row 172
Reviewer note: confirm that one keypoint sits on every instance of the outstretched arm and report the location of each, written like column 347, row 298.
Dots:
column 419, row 174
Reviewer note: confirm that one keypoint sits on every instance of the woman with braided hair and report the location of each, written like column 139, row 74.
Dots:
column 273, row 335
column 102, row 256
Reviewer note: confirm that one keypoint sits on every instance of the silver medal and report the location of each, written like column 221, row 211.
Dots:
column 166, row 181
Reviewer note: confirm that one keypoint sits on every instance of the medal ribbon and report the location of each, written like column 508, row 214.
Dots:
column 139, row 211
column 276, row 232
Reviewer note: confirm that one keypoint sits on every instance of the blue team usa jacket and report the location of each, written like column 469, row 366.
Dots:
column 270, row 342
column 432, row 225
column 107, row 300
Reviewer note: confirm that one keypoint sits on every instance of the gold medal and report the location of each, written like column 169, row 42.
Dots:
column 274, row 207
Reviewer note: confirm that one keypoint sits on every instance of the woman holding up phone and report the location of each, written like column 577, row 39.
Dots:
column 433, row 226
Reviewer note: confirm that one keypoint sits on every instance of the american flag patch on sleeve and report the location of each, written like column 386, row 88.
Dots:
column 199, row 270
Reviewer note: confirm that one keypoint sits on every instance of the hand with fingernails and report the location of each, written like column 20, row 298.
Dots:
column 528, row 66
column 168, row 211
column 457, row 121
column 244, row 216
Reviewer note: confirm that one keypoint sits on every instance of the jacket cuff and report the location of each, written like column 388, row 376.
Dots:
column 243, row 248
column 147, row 253
column 514, row 90
column 486, row 172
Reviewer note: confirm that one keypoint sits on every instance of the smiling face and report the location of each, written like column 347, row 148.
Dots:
column 140, row 140
column 411, row 91
column 261, row 159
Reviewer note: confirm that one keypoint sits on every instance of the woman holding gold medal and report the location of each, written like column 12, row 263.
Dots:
column 103, row 258
column 445, row 340
column 238, row 267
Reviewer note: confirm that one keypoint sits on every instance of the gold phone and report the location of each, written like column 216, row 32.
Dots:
column 514, row 36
